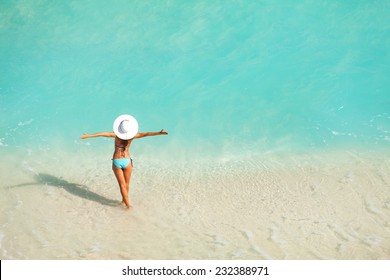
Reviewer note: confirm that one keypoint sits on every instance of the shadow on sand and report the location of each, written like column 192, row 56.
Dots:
column 73, row 188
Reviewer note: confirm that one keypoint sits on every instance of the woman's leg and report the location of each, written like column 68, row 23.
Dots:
column 120, row 176
column 127, row 173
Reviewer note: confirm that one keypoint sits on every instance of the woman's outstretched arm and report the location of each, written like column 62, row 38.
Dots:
column 99, row 134
column 145, row 134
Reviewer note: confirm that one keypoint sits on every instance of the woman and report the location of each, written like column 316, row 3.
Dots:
column 125, row 131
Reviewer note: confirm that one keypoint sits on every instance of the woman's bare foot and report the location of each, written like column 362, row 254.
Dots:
column 123, row 205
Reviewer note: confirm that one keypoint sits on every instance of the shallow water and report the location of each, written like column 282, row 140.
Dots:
column 278, row 119
column 256, row 74
column 312, row 206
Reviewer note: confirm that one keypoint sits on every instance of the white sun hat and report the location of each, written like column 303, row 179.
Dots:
column 125, row 127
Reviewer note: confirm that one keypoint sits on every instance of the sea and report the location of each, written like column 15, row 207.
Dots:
column 278, row 121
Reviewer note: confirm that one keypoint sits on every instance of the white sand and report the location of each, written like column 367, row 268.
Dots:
column 314, row 206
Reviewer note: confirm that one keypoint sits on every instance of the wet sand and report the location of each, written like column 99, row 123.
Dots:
column 323, row 205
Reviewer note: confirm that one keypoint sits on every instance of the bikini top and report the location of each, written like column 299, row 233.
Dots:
column 123, row 146
column 120, row 147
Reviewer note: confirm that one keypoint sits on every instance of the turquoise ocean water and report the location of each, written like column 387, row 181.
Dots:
column 221, row 76
column 278, row 115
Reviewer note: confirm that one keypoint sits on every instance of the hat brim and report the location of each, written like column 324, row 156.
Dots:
column 133, row 127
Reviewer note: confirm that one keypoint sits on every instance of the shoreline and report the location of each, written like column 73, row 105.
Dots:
column 310, row 206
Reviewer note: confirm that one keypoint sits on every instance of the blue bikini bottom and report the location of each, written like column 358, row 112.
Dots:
column 122, row 163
